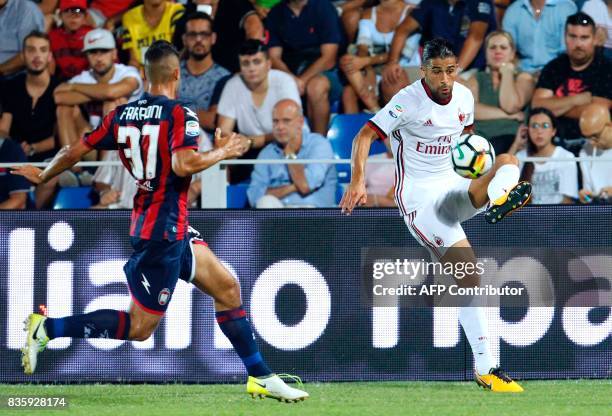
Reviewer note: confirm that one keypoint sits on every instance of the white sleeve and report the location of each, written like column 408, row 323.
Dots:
column 569, row 178
column 226, row 107
column 82, row 78
column 131, row 72
column 364, row 35
column 289, row 89
column 394, row 115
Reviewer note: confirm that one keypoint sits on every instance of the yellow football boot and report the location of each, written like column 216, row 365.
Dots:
column 497, row 381
column 36, row 341
column 516, row 198
column 275, row 388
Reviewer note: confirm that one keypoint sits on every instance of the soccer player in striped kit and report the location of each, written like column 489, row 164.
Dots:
column 156, row 137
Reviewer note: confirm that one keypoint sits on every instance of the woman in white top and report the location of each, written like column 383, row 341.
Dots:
column 376, row 29
column 553, row 182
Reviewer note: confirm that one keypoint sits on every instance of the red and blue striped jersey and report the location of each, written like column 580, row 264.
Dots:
column 145, row 133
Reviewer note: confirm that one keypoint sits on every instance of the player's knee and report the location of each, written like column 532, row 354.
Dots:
column 232, row 291
column 228, row 294
column 140, row 332
column 142, row 325
column 506, row 159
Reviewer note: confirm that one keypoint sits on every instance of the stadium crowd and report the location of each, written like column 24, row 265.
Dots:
column 277, row 71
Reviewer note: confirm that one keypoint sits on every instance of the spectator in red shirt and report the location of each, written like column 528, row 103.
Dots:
column 67, row 40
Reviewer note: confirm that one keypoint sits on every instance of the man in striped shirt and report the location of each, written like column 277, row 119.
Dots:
column 156, row 137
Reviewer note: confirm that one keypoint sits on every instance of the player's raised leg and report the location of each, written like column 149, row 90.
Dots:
column 215, row 280
column 487, row 372
column 501, row 187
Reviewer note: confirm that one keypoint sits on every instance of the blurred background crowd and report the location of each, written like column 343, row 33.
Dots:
column 299, row 78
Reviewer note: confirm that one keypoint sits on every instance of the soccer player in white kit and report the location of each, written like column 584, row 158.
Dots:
column 422, row 121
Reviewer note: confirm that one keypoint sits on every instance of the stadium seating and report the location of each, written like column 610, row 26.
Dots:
column 237, row 195
column 342, row 131
column 73, row 198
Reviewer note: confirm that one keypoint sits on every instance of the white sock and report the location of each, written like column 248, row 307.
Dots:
column 505, row 178
column 475, row 326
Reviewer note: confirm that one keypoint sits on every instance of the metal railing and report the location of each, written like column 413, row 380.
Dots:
column 214, row 179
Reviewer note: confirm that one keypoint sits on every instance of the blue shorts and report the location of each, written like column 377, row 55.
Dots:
column 154, row 268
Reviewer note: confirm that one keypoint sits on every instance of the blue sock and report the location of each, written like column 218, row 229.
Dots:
column 238, row 330
column 105, row 323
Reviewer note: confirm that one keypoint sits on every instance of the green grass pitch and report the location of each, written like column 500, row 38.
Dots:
column 546, row 398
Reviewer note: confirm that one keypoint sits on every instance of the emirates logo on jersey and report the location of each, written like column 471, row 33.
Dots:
column 441, row 146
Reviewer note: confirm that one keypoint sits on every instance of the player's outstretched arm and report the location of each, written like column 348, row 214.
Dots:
column 355, row 193
column 186, row 162
column 67, row 157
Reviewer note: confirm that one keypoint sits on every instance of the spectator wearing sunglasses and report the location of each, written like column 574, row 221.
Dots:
column 67, row 40
column 553, row 182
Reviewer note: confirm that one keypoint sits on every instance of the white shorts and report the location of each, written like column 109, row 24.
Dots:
column 436, row 222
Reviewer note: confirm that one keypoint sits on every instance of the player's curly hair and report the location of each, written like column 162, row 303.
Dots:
column 437, row 48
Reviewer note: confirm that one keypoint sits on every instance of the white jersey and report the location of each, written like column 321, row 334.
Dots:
column 421, row 132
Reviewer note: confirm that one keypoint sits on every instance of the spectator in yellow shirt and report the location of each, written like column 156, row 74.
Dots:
column 154, row 20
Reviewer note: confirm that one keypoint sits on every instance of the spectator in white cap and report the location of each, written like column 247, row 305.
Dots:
column 96, row 91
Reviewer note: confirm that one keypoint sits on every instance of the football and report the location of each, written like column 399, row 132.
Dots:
column 472, row 156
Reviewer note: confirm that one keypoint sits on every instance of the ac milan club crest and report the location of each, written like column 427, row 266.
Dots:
column 461, row 117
